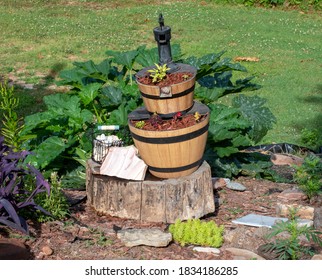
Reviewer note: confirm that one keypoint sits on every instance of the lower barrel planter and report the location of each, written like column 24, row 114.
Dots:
column 169, row 99
column 172, row 153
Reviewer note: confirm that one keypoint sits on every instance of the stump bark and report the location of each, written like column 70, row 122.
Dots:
column 154, row 199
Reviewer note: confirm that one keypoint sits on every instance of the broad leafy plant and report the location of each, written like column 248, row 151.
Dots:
column 15, row 195
column 105, row 92
column 232, row 128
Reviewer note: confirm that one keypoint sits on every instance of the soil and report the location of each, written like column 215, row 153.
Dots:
column 88, row 235
column 170, row 79
column 179, row 121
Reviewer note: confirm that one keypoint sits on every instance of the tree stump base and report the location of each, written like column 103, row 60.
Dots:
column 154, row 199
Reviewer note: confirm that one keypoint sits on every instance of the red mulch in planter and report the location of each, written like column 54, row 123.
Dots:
column 156, row 123
column 172, row 78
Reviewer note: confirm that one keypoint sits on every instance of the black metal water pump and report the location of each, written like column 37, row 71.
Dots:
column 162, row 35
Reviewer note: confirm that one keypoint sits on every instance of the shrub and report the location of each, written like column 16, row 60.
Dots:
column 197, row 232
column 56, row 203
column 290, row 248
column 15, row 195
column 309, row 176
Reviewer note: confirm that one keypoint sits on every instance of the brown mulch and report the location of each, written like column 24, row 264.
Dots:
column 170, row 79
column 88, row 235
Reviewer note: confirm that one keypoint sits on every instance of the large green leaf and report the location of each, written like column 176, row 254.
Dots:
column 147, row 57
column 71, row 77
column 40, row 119
column 111, row 96
column 89, row 92
column 119, row 116
column 48, row 150
column 209, row 95
column 227, row 130
column 260, row 117
column 126, row 58
column 87, row 67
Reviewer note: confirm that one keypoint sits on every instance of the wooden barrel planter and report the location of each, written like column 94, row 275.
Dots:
column 173, row 153
column 169, row 99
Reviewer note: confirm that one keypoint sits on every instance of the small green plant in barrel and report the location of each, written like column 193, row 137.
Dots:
column 159, row 73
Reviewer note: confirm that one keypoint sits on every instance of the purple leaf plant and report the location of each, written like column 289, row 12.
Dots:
column 14, row 193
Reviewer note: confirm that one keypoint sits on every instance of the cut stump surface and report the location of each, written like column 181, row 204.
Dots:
column 151, row 200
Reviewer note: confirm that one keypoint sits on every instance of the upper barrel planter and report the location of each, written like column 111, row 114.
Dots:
column 168, row 98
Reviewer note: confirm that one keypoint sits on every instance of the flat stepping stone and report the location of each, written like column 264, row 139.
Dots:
column 242, row 254
column 149, row 237
column 236, row 186
column 207, row 250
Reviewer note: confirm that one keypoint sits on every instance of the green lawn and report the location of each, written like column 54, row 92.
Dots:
column 42, row 37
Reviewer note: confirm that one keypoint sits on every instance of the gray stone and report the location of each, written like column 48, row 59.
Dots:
column 218, row 183
column 266, row 221
column 150, row 237
column 207, row 250
column 236, row 186
column 257, row 220
column 318, row 218
column 242, row 254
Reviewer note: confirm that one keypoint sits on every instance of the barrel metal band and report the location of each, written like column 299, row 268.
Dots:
column 180, row 94
column 173, row 139
column 176, row 169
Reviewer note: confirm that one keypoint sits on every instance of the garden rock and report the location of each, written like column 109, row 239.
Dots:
column 304, row 212
column 317, row 257
column 236, row 186
column 244, row 237
column 280, row 159
column 242, row 254
column 318, row 218
column 293, row 194
column 150, row 237
column 207, row 250
column 218, row 183
column 46, row 250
